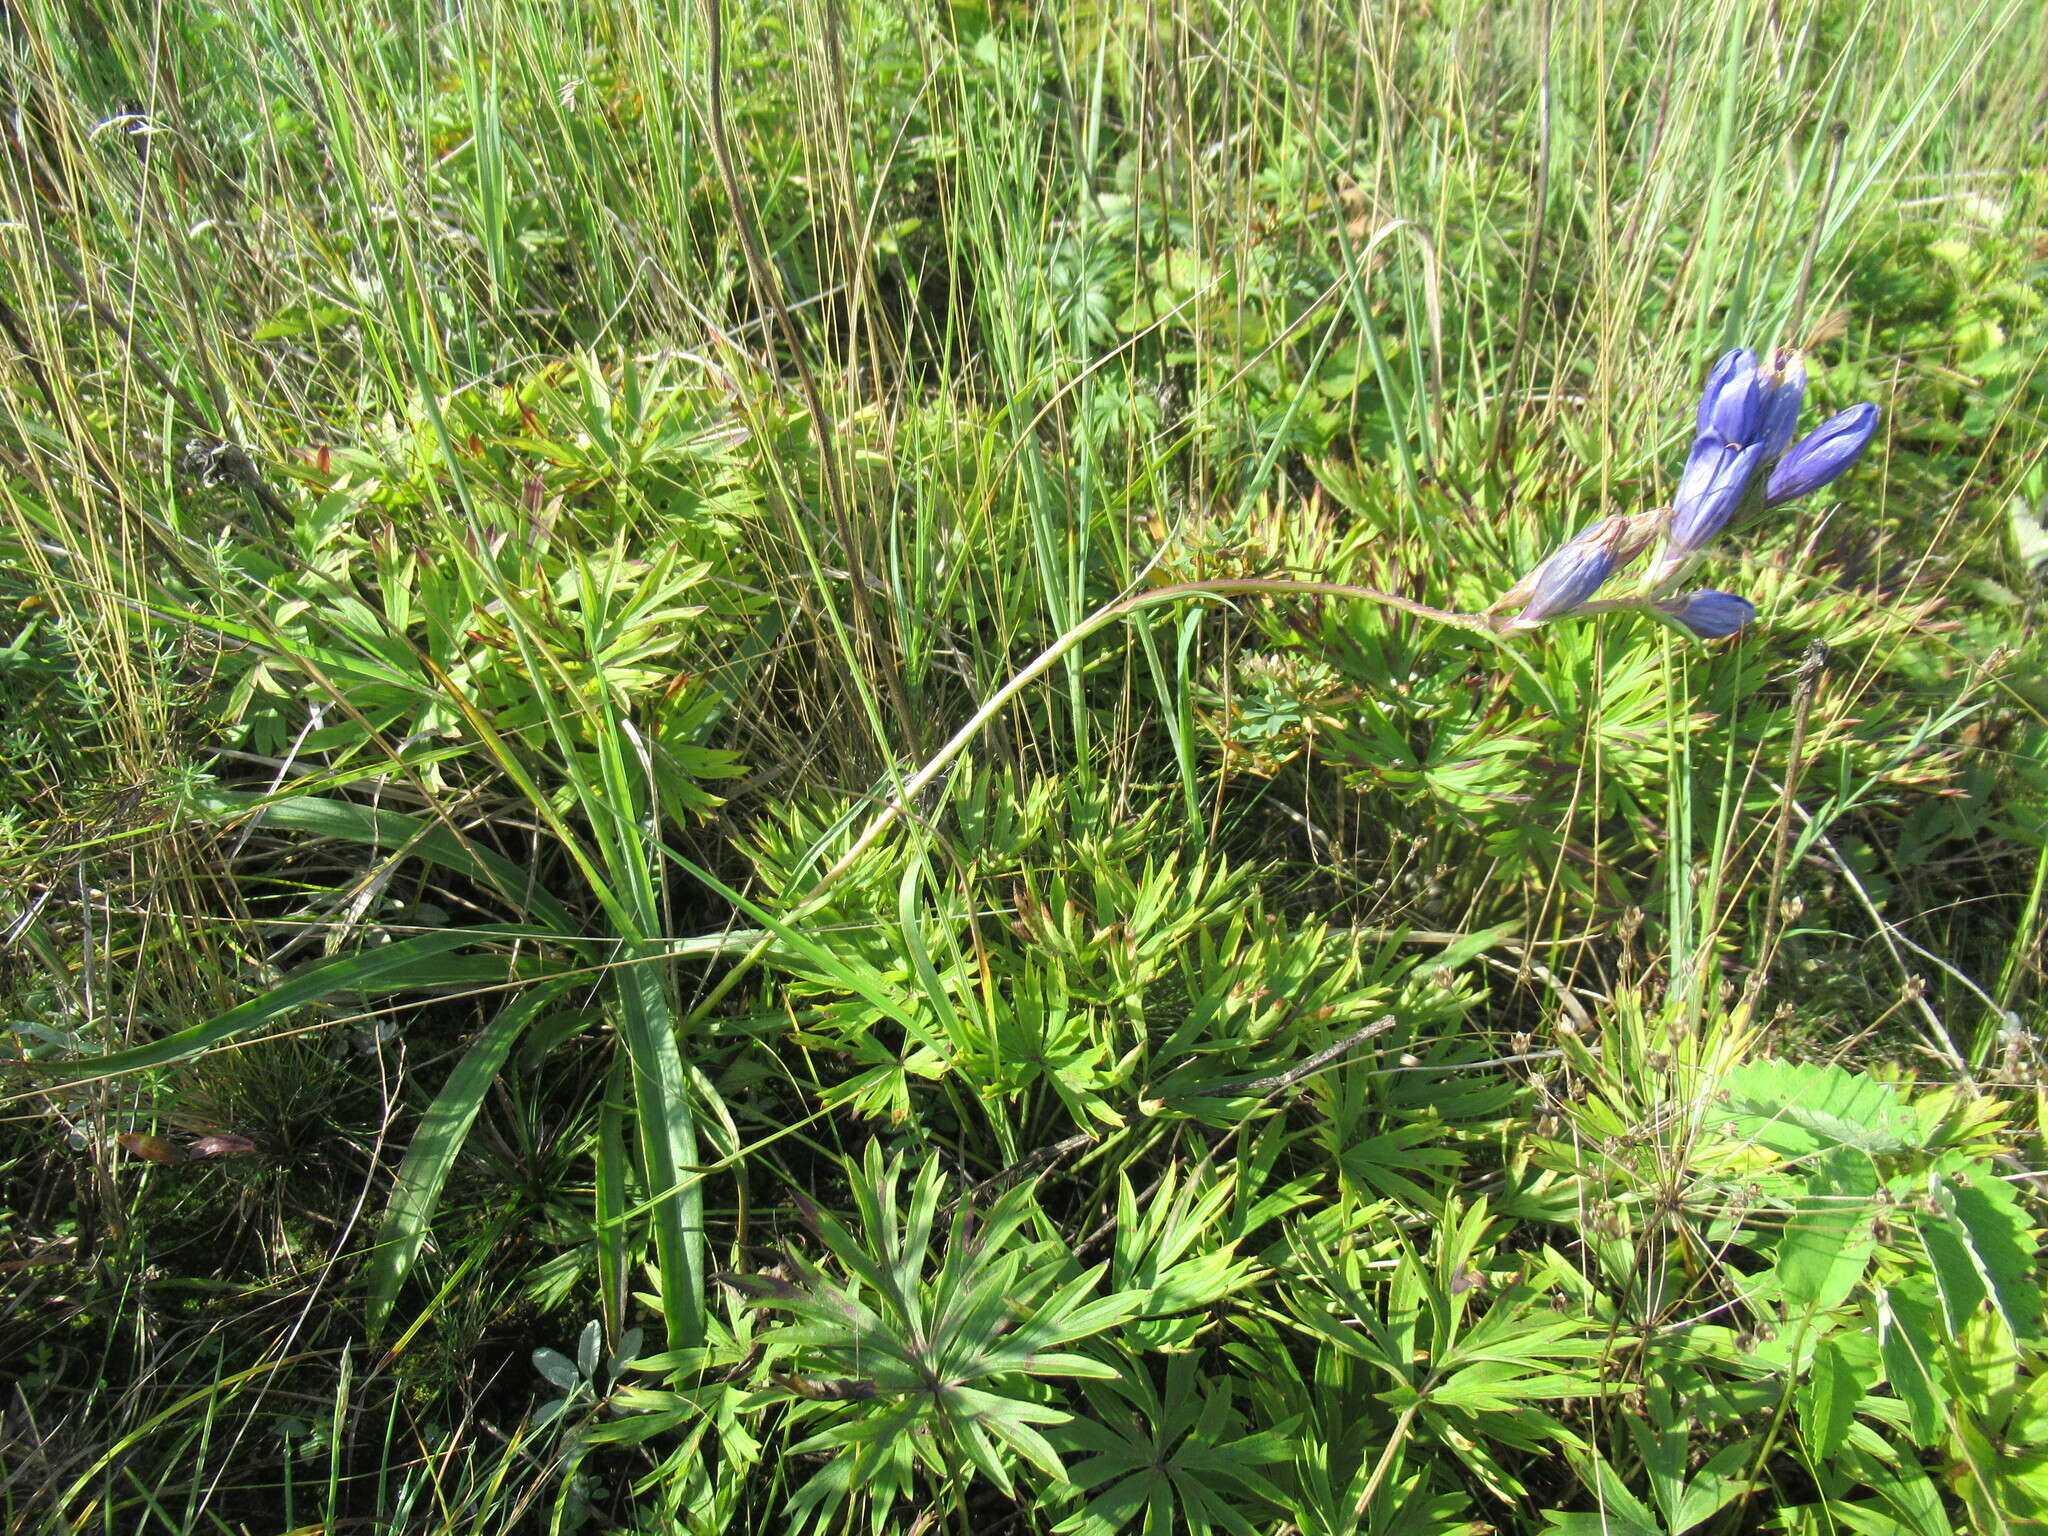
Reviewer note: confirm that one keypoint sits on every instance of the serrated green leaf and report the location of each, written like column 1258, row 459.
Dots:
column 1910, row 1341
column 1829, row 1395
column 1714, row 1487
column 1799, row 1109
column 1997, row 1237
column 1827, row 1242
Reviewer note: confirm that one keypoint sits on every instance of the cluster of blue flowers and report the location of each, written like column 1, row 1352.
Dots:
column 1743, row 458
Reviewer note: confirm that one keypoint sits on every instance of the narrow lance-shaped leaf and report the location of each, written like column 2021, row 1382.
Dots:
column 420, row 838
column 424, row 961
column 416, row 1192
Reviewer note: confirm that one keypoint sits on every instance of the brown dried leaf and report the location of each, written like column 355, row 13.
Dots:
column 153, row 1149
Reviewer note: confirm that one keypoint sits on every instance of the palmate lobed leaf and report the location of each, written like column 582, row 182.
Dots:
column 944, row 1332
column 1011, row 1420
column 1620, row 1513
column 1499, row 1387
column 1384, row 1162
column 1181, row 1454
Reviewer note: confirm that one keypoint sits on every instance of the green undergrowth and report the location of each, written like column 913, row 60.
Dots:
column 745, row 782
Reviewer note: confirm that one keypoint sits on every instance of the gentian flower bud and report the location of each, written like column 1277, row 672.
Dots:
column 1576, row 570
column 1709, row 614
column 1729, row 371
column 1821, row 455
column 1783, row 388
column 1738, row 413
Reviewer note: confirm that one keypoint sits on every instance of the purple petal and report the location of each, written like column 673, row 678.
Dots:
column 1738, row 410
column 1741, row 360
column 1784, row 389
column 1821, row 455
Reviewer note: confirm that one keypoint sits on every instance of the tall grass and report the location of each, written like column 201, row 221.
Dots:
column 711, row 664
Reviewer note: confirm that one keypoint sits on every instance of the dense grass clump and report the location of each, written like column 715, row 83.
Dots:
column 770, row 769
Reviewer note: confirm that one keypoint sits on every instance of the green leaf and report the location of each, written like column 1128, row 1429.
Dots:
column 416, row 1191
column 1472, row 945
column 666, row 1123
column 1382, row 1162
column 2029, row 533
column 556, row 1367
column 1996, row 1236
column 940, row 1341
column 426, row 840
column 1714, row 1487
column 1828, row 1241
column 298, row 320
column 1829, row 1395
column 1909, row 1339
column 1802, row 1109
column 1618, row 1512
column 610, row 1167
column 1909, row 1503
column 411, row 963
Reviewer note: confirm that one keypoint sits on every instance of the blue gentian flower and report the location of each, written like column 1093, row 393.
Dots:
column 1717, row 476
column 1739, row 409
column 1746, row 419
column 1709, row 614
column 1733, row 404
column 1567, row 579
column 1821, row 455
column 1742, row 459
